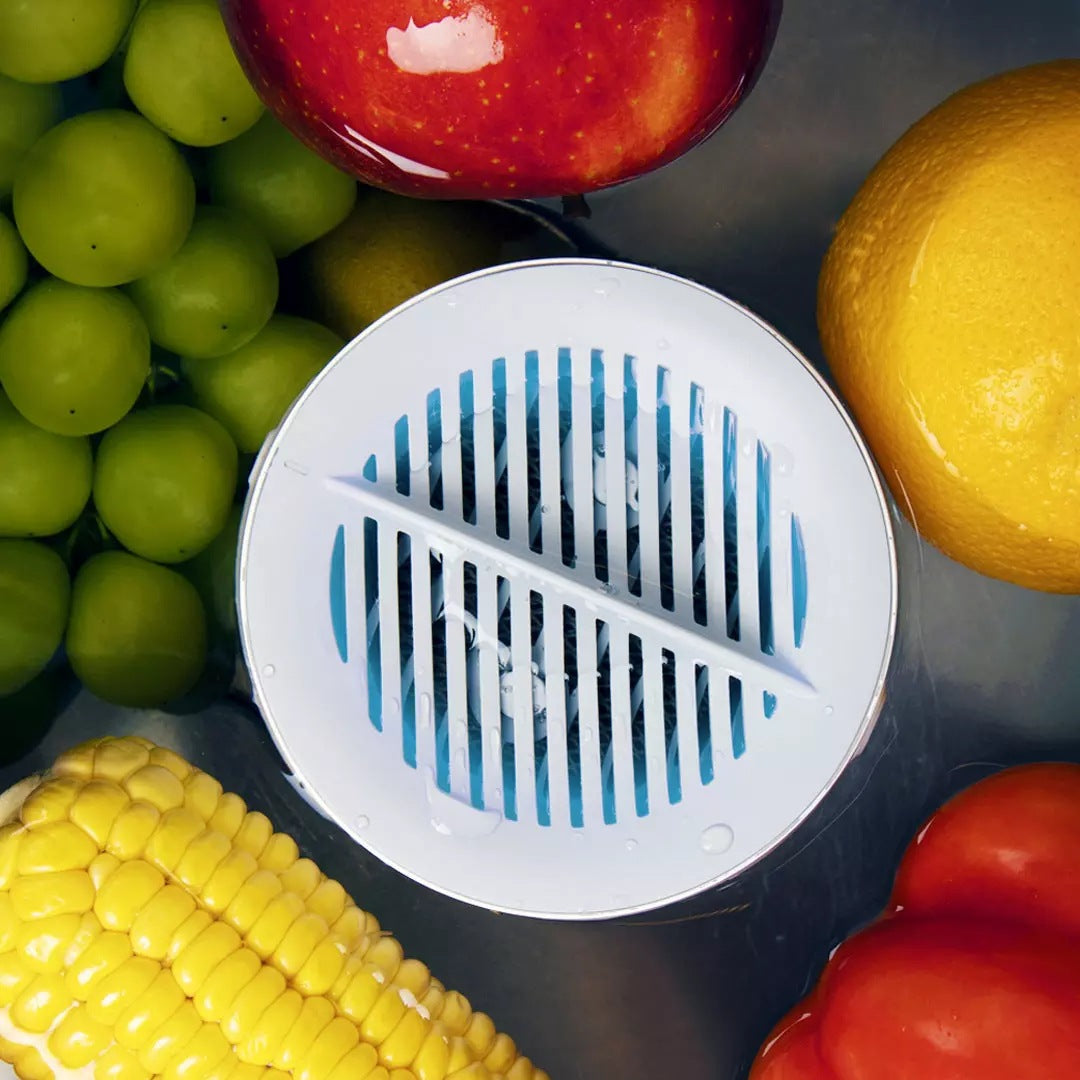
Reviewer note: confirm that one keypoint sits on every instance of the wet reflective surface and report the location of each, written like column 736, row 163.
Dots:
column 985, row 674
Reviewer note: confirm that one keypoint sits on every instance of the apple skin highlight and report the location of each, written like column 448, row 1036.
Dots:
column 499, row 98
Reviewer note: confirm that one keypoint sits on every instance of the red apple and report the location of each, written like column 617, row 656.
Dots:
column 501, row 98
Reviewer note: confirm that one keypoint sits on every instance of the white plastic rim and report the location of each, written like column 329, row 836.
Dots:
column 497, row 704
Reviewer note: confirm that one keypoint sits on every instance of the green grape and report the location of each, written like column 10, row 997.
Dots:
column 13, row 262
column 291, row 193
column 26, row 113
column 35, row 591
column 44, row 41
column 182, row 74
column 250, row 390
column 213, row 573
column 73, row 360
column 164, row 481
column 45, row 479
column 216, row 293
column 103, row 198
column 137, row 632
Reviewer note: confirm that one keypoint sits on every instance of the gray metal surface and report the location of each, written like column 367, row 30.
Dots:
column 984, row 673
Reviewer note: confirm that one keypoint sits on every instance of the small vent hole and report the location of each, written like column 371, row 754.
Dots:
column 532, row 450
column 509, row 762
column 704, row 723
column 735, row 711
column 603, row 691
column 439, row 672
column 539, row 704
column 764, row 556
column 468, row 447
column 566, row 458
column 799, row 585
column 671, row 735
column 663, row 486
column 637, row 726
column 697, row 503
column 731, row 524
column 499, row 449
column 633, row 515
column 600, row 494
column 434, row 447
column 573, row 727
column 405, row 647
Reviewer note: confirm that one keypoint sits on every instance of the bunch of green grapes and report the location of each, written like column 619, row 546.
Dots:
column 145, row 198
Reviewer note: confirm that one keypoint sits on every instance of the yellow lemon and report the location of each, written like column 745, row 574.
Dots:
column 949, row 309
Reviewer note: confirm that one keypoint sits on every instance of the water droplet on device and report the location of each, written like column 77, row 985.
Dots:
column 748, row 447
column 828, row 710
column 663, row 343
column 586, row 735
column 362, row 821
column 497, row 793
column 608, row 588
column 452, row 301
column 459, row 761
column 461, row 727
column 782, row 460
column 269, row 670
column 717, row 839
column 441, row 827
column 606, row 286
column 495, row 741
column 630, row 845
column 425, row 711
column 393, row 707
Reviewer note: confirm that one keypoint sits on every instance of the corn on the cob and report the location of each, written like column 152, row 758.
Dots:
column 150, row 925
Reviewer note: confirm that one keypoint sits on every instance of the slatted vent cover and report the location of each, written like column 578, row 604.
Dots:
column 568, row 589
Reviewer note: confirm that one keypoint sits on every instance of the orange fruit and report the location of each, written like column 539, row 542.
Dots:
column 949, row 310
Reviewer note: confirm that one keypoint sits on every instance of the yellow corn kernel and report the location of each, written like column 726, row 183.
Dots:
column 414, row 976
column 132, row 830
column 30, row 1066
column 386, row 954
column 333, row 1043
column 78, row 1039
column 480, row 1034
column 103, row 955
column 502, row 1053
column 127, row 891
column 40, row 1003
column 357, row 1064
column 254, row 834
column 157, row 786
column 117, row 759
column 433, row 1058
column 350, row 927
column 380, row 1072
column 200, row 1057
column 89, row 929
column 63, row 893
column 402, row 1074
column 522, row 1069
column 170, row 1039
column 100, row 869
column 362, row 992
column 154, row 927
column 228, row 879
column 159, row 755
column 273, row 924
column 385, row 1015
column 231, row 1069
column 118, row 1063
column 44, row 942
column 195, row 963
column 9, row 923
column 460, row 1055
column 97, row 807
column 251, row 901
column 11, row 836
column 302, row 878
column 142, row 1018
column 474, row 1071
column 252, row 1002
column 280, row 853
column 399, row 1050
column 55, row 845
column 353, row 964
column 120, row 989
column 202, row 793
column 432, row 1001
column 77, row 762
column 177, row 829
column 299, row 943
column 456, row 1012
column 15, row 976
column 320, row 971
column 263, row 1040
column 221, row 987
column 328, row 900
column 314, row 1016
column 50, row 801
column 187, row 932
column 229, row 815
column 204, row 855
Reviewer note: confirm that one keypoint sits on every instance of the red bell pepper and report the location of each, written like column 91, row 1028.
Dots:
column 973, row 972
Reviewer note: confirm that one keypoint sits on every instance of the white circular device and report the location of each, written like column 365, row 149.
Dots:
column 568, row 588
